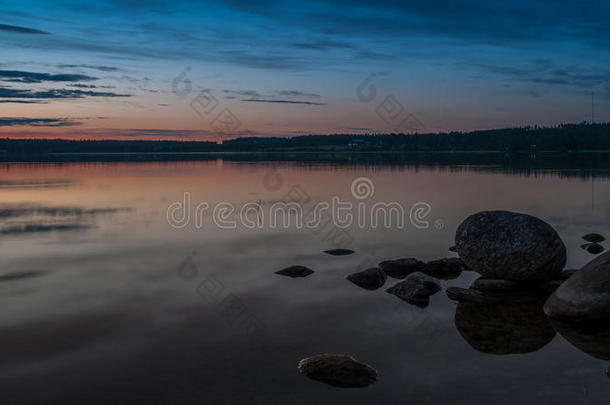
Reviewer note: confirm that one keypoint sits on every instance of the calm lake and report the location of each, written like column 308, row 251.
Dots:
column 106, row 301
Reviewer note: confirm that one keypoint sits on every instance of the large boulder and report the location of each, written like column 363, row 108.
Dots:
column 511, row 246
column 585, row 296
column 338, row 370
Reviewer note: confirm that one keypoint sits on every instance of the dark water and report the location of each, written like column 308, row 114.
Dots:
column 104, row 302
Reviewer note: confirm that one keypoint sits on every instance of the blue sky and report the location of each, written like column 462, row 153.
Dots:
column 140, row 69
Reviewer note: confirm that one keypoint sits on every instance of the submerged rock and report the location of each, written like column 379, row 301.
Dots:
column 369, row 279
column 584, row 297
column 594, row 238
column 516, row 325
column 512, row 246
column 338, row 370
column 295, row 271
column 593, row 248
column 416, row 289
column 470, row 295
column 401, row 268
column 339, row 252
column 445, row 269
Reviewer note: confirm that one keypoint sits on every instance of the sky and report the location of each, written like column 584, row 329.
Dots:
column 214, row 70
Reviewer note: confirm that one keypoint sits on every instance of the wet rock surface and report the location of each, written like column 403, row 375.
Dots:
column 295, row 271
column 401, row 268
column 594, row 238
column 585, row 296
column 339, row 252
column 416, row 289
column 566, row 274
column 369, row 279
column 512, row 246
column 338, row 370
column 445, row 269
column 516, row 325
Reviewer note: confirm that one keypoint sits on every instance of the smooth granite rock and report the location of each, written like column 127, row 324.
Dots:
column 445, row 269
column 339, row 252
column 511, row 246
column 471, row 295
column 593, row 248
column 338, row 370
column 584, row 297
column 594, row 238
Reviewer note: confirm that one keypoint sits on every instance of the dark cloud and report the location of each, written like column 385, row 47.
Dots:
column 55, row 93
column 101, row 68
column 38, row 122
column 20, row 30
column 258, row 100
column 34, row 77
column 296, row 93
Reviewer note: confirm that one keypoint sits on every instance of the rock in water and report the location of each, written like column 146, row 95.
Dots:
column 594, row 238
column 338, row 370
column 444, row 268
column 593, row 248
column 339, row 252
column 470, row 295
column 401, row 268
column 493, row 285
column 584, row 297
column 416, row 289
column 295, row 271
column 511, row 246
column 369, row 279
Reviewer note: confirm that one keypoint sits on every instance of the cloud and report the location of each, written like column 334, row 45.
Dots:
column 323, row 45
column 296, row 93
column 55, row 93
column 101, row 68
column 258, row 100
column 20, row 30
column 38, row 122
column 34, row 77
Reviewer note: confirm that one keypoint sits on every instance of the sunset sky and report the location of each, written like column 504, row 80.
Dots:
column 148, row 69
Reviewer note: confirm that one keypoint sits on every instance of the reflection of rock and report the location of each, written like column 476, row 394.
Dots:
column 369, row 279
column 593, row 248
column 594, row 238
column 416, row 289
column 338, row 370
column 401, row 268
column 339, row 252
column 566, row 274
column 516, row 325
column 470, row 295
column 584, row 297
column 507, row 245
column 495, row 286
column 591, row 339
column 295, row 271
column 445, row 269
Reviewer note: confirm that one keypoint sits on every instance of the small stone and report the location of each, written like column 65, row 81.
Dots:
column 470, row 295
column 339, row 252
column 369, row 279
column 495, row 285
column 444, row 268
column 593, row 248
column 416, row 289
column 594, row 238
column 295, row 271
column 453, row 249
column 338, row 370
column 401, row 268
